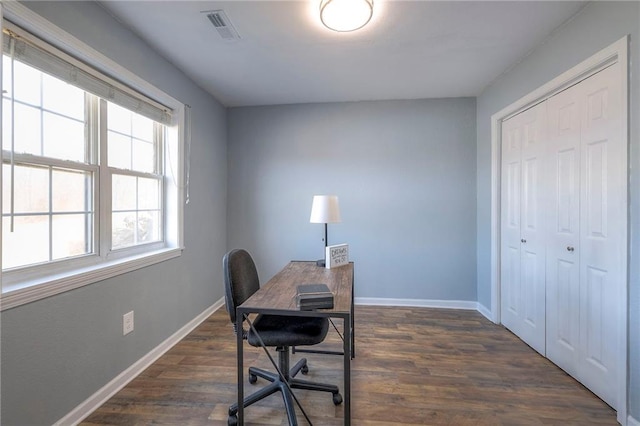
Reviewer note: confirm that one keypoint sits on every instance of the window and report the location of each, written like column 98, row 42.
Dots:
column 90, row 169
column 134, row 149
column 48, row 174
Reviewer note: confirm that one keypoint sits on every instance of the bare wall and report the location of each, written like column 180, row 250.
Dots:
column 405, row 175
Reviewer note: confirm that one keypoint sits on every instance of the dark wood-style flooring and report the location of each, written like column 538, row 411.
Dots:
column 413, row 366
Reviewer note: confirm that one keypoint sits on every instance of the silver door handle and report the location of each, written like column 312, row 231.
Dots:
column 569, row 248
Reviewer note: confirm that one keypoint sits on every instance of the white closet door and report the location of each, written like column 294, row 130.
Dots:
column 586, row 245
column 523, row 244
column 602, row 245
column 563, row 263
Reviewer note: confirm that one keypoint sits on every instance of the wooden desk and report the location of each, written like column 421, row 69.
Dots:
column 278, row 297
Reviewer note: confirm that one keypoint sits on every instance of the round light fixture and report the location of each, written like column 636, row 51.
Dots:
column 345, row 15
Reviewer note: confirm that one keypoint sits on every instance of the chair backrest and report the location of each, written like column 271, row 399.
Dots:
column 240, row 279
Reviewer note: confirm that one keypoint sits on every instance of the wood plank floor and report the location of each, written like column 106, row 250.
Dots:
column 413, row 366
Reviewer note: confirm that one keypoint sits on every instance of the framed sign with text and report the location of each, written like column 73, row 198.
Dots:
column 337, row 255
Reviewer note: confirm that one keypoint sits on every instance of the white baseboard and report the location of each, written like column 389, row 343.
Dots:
column 89, row 405
column 427, row 303
column 418, row 303
column 632, row 422
column 485, row 312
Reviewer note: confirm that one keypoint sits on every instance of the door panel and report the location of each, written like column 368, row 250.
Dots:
column 567, row 291
column 595, row 286
column 596, row 189
column 567, row 191
column 530, row 207
column 562, row 263
column 563, row 335
column 511, row 268
column 584, row 247
column 510, row 235
column 522, row 231
column 602, row 245
column 530, row 279
column 513, row 196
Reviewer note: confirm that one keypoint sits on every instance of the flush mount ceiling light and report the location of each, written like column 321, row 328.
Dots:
column 345, row 15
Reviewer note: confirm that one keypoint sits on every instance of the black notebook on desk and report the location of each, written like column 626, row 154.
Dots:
column 314, row 296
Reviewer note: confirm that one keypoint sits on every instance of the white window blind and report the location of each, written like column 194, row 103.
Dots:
column 39, row 55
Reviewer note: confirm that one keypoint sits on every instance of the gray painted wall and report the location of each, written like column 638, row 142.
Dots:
column 58, row 351
column 405, row 175
column 596, row 27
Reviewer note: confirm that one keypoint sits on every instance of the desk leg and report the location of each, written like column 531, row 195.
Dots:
column 240, row 357
column 353, row 316
column 347, row 351
column 353, row 330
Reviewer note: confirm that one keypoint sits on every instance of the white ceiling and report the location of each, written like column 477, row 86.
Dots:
column 409, row 50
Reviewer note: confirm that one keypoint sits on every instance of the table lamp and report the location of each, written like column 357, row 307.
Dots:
column 324, row 209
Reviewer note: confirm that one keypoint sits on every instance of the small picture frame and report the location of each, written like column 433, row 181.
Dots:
column 337, row 255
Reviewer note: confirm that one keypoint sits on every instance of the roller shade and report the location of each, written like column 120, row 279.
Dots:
column 77, row 74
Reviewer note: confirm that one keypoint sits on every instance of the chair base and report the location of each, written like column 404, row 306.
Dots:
column 278, row 385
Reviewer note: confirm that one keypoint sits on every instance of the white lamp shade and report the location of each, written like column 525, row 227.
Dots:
column 345, row 15
column 325, row 209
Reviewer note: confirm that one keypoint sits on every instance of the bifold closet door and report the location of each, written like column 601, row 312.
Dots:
column 585, row 242
column 522, row 228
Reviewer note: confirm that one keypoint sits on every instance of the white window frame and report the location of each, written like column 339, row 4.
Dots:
column 31, row 285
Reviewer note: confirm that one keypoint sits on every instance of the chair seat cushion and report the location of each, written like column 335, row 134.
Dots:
column 283, row 330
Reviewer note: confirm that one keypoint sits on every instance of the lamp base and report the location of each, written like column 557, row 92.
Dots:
column 321, row 263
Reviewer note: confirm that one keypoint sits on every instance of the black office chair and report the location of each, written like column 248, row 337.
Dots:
column 279, row 331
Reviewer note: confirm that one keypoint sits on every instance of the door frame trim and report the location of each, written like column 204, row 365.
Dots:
column 616, row 52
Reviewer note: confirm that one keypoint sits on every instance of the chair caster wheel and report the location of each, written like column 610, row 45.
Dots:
column 253, row 379
column 337, row 399
column 304, row 369
column 232, row 420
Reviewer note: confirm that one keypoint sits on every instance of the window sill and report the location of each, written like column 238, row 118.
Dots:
column 30, row 291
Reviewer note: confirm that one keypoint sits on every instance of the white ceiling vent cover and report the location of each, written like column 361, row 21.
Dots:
column 222, row 24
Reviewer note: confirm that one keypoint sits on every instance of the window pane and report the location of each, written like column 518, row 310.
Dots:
column 123, row 195
column 31, row 189
column 6, row 124
column 148, row 194
column 39, row 132
column 27, row 82
column 71, row 235
column 143, row 156
column 119, row 151
column 6, row 75
column 63, row 138
column 141, row 127
column 27, row 130
column 62, row 97
column 123, row 230
column 28, row 244
column 71, row 191
column 118, row 119
column 131, row 141
column 148, row 226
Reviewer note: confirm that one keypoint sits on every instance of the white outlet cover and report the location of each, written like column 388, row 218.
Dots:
column 127, row 323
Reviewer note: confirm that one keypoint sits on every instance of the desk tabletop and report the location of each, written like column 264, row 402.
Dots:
column 278, row 294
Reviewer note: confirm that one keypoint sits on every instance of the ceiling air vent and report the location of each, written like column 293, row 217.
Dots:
column 222, row 24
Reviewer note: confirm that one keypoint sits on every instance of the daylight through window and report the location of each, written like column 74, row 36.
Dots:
column 83, row 162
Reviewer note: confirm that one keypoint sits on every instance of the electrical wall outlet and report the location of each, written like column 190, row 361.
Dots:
column 127, row 323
